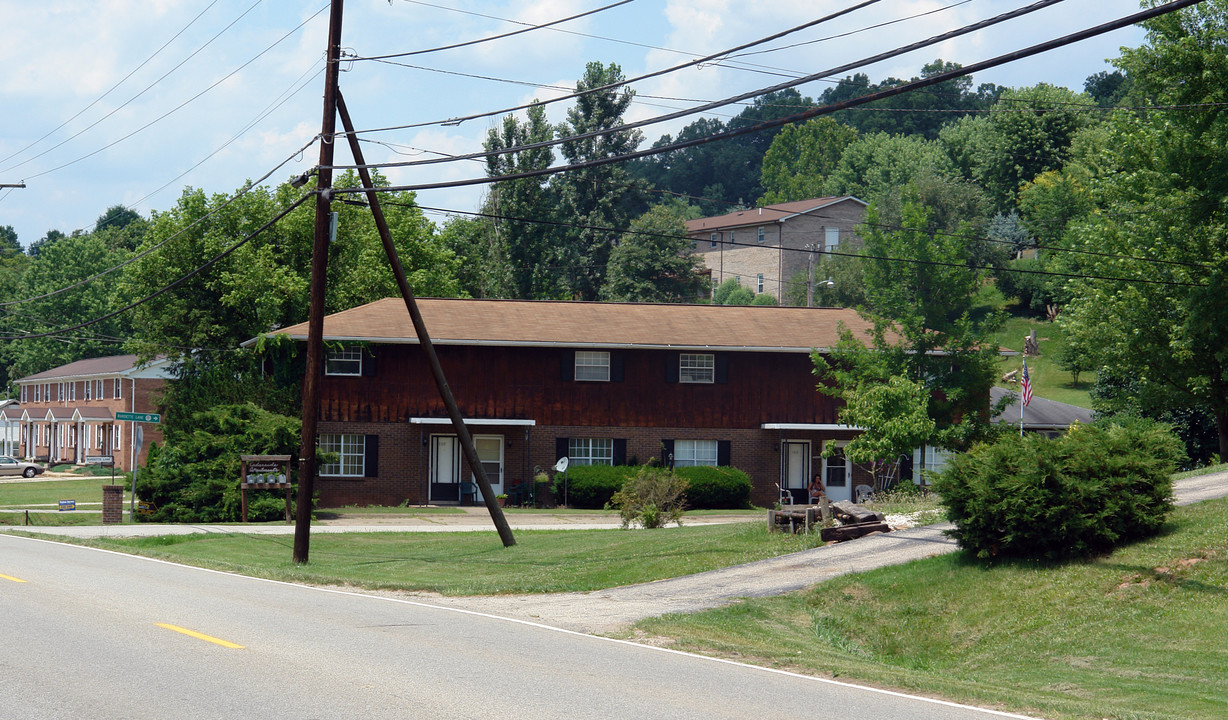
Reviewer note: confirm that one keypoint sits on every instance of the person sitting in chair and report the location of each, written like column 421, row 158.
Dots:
column 817, row 489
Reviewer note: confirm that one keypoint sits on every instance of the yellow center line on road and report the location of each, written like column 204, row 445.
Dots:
column 10, row 577
column 200, row 636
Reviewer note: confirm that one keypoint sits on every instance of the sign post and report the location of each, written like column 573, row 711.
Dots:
column 264, row 472
column 139, row 436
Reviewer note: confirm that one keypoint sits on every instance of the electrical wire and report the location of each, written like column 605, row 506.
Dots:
column 172, row 285
column 816, row 112
column 160, row 245
column 943, row 37
column 495, row 37
column 638, row 78
column 175, row 109
column 124, row 79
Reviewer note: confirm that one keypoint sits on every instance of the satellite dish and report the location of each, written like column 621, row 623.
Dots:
column 561, row 465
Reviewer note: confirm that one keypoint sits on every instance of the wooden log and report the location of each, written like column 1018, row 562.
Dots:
column 850, row 512
column 849, row 532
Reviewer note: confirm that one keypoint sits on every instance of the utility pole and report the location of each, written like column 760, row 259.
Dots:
column 319, row 273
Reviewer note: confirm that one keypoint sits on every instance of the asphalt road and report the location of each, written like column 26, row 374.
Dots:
column 91, row 633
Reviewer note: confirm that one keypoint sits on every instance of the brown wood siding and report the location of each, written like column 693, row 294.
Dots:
column 526, row 383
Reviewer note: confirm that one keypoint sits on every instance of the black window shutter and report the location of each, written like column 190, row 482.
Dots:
column 671, row 367
column 368, row 364
column 567, row 366
column 723, row 448
column 667, row 453
column 616, row 367
column 561, row 448
column 371, row 462
column 620, row 452
column 722, row 368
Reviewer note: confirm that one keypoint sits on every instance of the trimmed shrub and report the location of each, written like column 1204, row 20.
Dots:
column 654, row 498
column 1100, row 486
column 591, row 486
column 719, row 488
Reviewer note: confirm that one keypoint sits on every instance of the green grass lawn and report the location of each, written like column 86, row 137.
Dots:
column 1141, row 634
column 49, row 492
column 476, row 563
column 1048, row 379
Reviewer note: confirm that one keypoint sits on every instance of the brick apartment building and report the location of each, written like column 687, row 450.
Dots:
column 765, row 248
column 67, row 414
column 600, row 383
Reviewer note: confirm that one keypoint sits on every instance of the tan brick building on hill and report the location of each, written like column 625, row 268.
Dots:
column 764, row 248
column 67, row 414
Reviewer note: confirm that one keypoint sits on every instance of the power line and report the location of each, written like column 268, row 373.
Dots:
column 185, row 102
column 116, row 85
column 612, row 86
column 495, row 37
column 816, row 112
column 158, row 246
column 172, row 285
column 1010, row 15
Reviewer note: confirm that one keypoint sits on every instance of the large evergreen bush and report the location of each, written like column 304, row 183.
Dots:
column 1100, row 486
column 592, row 486
column 194, row 477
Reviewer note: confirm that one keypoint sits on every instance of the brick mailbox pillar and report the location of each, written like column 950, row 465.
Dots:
column 112, row 504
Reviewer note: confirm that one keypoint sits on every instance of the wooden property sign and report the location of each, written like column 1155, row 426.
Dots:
column 264, row 472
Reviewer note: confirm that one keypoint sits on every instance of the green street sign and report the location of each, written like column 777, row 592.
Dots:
column 139, row 417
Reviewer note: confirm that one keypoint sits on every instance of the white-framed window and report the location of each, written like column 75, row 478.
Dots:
column 689, row 453
column 936, row 460
column 117, row 391
column 350, row 449
column 344, row 362
column 730, row 237
column 59, row 391
column 23, row 393
column 714, row 239
column 72, row 391
column 590, row 451
column 89, row 390
column 99, row 390
column 38, row 393
column 762, row 234
column 759, row 283
column 837, row 471
column 593, row 365
column 697, row 368
column 831, row 238
column 115, row 434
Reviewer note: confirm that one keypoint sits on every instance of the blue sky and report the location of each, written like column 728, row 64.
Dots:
column 225, row 115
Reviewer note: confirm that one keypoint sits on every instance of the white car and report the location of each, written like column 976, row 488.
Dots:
column 11, row 466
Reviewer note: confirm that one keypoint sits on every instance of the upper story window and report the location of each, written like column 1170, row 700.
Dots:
column 89, row 390
column 99, row 390
column 38, row 393
column 344, row 362
column 696, row 368
column 593, row 365
column 831, row 239
column 72, row 391
column 762, row 234
column 714, row 239
column 23, row 393
column 759, row 283
column 689, row 453
column 117, row 391
column 590, row 451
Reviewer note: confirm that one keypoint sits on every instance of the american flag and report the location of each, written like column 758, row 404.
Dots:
column 1026, row 383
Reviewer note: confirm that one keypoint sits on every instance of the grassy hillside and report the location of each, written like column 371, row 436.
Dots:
column 1049, row 380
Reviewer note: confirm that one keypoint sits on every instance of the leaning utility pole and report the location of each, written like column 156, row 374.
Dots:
column 319, row 273
column 424, row 338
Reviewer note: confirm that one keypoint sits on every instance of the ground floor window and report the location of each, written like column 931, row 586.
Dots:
column 591, row 451
column 689, row 453
column 936, row 460
column 350, row 449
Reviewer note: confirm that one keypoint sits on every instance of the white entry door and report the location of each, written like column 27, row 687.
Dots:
column 797, row 470
column 490, row 453
column 837, row 471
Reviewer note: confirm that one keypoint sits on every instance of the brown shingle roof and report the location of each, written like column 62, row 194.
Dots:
column 111, row 365
column 765, row 214
column 590, row 324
